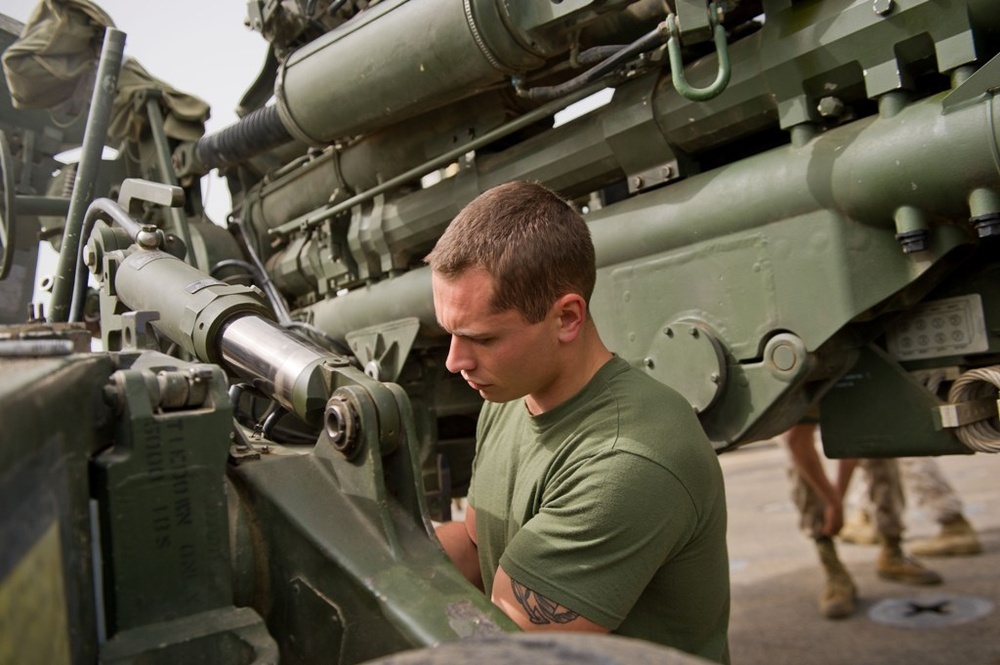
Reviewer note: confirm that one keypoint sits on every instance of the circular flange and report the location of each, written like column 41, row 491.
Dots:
column 687, row 357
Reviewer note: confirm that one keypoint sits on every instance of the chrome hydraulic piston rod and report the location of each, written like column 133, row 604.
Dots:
column 228, row 325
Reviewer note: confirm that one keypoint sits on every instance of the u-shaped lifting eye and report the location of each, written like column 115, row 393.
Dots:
column 677, row 66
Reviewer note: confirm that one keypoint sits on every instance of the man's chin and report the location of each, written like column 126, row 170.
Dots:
column 492, row 394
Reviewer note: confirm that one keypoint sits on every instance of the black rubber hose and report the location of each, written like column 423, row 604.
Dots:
column 648, row 42
column 259, row 132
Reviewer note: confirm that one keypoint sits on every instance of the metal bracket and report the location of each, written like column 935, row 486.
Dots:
column 134, row 192
column 984, row 81
column 695, row 23
column 644, row 154
column 136, row 332
column 383, row 349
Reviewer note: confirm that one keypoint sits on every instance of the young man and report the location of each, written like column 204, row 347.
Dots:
column 597, row 502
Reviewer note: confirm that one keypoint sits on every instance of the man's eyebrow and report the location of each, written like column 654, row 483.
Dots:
column 464, row 335
column 470, row 335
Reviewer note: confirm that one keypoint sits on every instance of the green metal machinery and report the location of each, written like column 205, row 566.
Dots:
column 796, row 211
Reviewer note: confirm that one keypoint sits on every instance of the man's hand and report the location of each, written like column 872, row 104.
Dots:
column 459, row 541
column 833, row 519
column 801, row 444
column 533, row 611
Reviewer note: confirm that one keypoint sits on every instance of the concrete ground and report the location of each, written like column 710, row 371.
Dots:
column 776, row 578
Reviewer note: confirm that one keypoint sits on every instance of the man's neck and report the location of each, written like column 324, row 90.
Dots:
column 580, row 365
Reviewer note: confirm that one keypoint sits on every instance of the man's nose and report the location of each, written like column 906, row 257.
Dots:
column 459, row 356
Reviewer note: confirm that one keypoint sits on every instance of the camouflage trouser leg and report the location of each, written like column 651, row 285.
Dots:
column 809, row 504
column 885, row 493
column 930, row 489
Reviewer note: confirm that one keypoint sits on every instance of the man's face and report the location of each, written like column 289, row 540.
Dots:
column 498, row 353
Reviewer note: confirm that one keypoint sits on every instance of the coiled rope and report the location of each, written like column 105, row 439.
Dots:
column 983, row 435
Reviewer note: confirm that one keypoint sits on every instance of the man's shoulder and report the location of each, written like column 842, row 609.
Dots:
column 655, row 421
column 645, row 399
column 620, row 371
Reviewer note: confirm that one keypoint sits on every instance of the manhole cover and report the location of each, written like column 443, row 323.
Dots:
column 930, row 611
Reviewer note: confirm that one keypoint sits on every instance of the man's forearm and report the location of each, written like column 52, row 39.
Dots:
column 845, row 469
column 802, row 448
column 462, row 551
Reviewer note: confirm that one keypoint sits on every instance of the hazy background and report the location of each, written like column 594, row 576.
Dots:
column 200, row 47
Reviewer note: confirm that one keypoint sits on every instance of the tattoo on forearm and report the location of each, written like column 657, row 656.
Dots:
column 540, row 610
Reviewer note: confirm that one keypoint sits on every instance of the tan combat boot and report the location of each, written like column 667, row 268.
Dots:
column 839, row 593
column 895, row 566
column 957, row 538
column 859, row 530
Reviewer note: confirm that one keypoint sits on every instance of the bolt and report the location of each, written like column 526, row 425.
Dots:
column 913, row 241
column 666, row 171
column 830, row 107
column 637, row 182
column 987, row 225
column 714, row 378
column 668, row 331
column 200, row 373
column 883, row 7
column 693, row 332
column 648, row 362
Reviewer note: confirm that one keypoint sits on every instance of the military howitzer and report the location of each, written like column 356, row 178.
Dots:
column 793, row 205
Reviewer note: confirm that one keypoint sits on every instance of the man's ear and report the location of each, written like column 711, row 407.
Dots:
column 571, row 310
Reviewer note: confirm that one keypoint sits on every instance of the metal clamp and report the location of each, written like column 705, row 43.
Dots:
column 963, row 413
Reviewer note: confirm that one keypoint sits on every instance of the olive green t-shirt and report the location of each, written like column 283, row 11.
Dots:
column 613, row 506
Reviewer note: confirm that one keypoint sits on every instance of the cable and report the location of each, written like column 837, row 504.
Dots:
column 651, row 40
column 984, row 382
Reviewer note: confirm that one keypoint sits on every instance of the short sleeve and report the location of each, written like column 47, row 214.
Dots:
column 601, row 534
